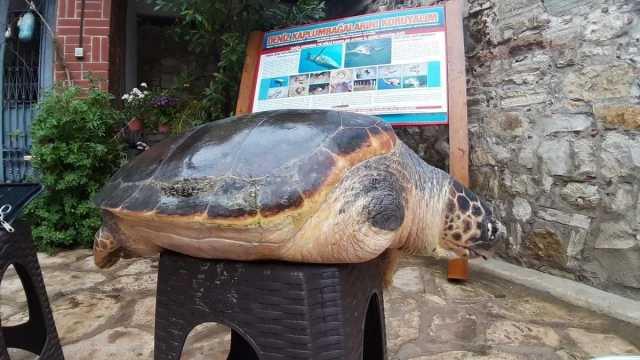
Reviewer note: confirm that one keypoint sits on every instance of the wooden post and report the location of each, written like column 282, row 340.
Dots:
column 245, row 95
column 458, row 129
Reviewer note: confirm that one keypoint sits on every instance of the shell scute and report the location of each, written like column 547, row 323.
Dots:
column 277, row 194
column 119, row 196
column 314, row 171
column 349, row 140
column 233, row 199
column 145, row 199
column 173, row 206
column 279, row 141
column 358, row 120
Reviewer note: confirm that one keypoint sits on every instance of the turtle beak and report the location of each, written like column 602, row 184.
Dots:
column 485, row 245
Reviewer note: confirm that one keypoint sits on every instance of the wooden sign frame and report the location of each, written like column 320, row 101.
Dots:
column 457, row 103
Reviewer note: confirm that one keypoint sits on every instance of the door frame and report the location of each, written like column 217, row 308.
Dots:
column 46, row 69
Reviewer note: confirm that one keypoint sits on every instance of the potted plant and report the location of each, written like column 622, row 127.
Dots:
column 136, row 104
column 165, row 109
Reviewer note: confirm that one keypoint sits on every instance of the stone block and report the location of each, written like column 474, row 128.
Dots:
column 568, row 106
column 476, row 101
column 594, row 52
column 581, row 195
column 521, row 209
column 515, row 237
column 527, row 154
column 544, row 244
column 618, row 115
column 555, row 155
column 584, row 157
column 566, row 56
column 509, row 11
column 527, row 76
column 502, row 154
column 476, row 180
column 599, row 82
column 620, row 155
column 622, row 266
column 564, row 123
column 547, row 182
column 638, row 213
column 616, row 235
column 561, row 32
column 482, row 155
column 603, row 27
column 621, row 201
column 492, row 73
column 576, row 220
column 516, row 98
column 576, row 243
column 561, row 8
column 520, row 184
column 505, row 124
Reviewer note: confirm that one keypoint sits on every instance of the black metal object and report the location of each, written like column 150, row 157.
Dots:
column 38, row 335
column 276, row 310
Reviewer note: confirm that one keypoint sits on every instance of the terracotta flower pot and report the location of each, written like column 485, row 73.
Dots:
column 136, row 124
column 164, row 127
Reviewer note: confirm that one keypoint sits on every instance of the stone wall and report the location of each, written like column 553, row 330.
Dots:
column 555, row 131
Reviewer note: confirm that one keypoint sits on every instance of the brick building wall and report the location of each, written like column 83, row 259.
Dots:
column 103, row 41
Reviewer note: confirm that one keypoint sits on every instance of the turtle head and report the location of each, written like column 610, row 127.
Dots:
column 471, row 229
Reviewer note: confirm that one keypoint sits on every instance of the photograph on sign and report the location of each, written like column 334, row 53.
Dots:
column 389, row 64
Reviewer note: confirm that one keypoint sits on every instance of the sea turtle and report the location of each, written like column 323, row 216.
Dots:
column 310, row 186
column 365, row 49
column 322, row 60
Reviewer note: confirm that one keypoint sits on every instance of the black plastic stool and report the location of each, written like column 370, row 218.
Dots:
column 276, row 310
column 38, row 335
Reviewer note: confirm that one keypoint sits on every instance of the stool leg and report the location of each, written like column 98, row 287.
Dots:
column 4, row 354
column 170, row 334
column 39, row 334
column 32, row 335
column 240, row 348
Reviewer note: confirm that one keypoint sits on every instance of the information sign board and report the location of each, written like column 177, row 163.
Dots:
column 389, row 64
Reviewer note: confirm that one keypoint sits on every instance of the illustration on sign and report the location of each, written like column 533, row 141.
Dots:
column 390, row 64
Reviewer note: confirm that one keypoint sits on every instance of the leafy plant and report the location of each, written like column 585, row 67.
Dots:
column 74, row 154
column 136, row 102
column 165, row 107
column 219, row 30
column 196, row 112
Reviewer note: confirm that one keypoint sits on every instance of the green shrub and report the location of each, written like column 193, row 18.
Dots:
column 75, row 151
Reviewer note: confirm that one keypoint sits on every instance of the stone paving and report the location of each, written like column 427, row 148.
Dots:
column 109, row 314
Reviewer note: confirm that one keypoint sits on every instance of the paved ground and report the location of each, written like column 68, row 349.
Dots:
column 109, row 314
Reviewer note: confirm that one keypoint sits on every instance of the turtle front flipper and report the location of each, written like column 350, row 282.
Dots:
column 107, row 251
column 390, row 258
column 111, row 243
